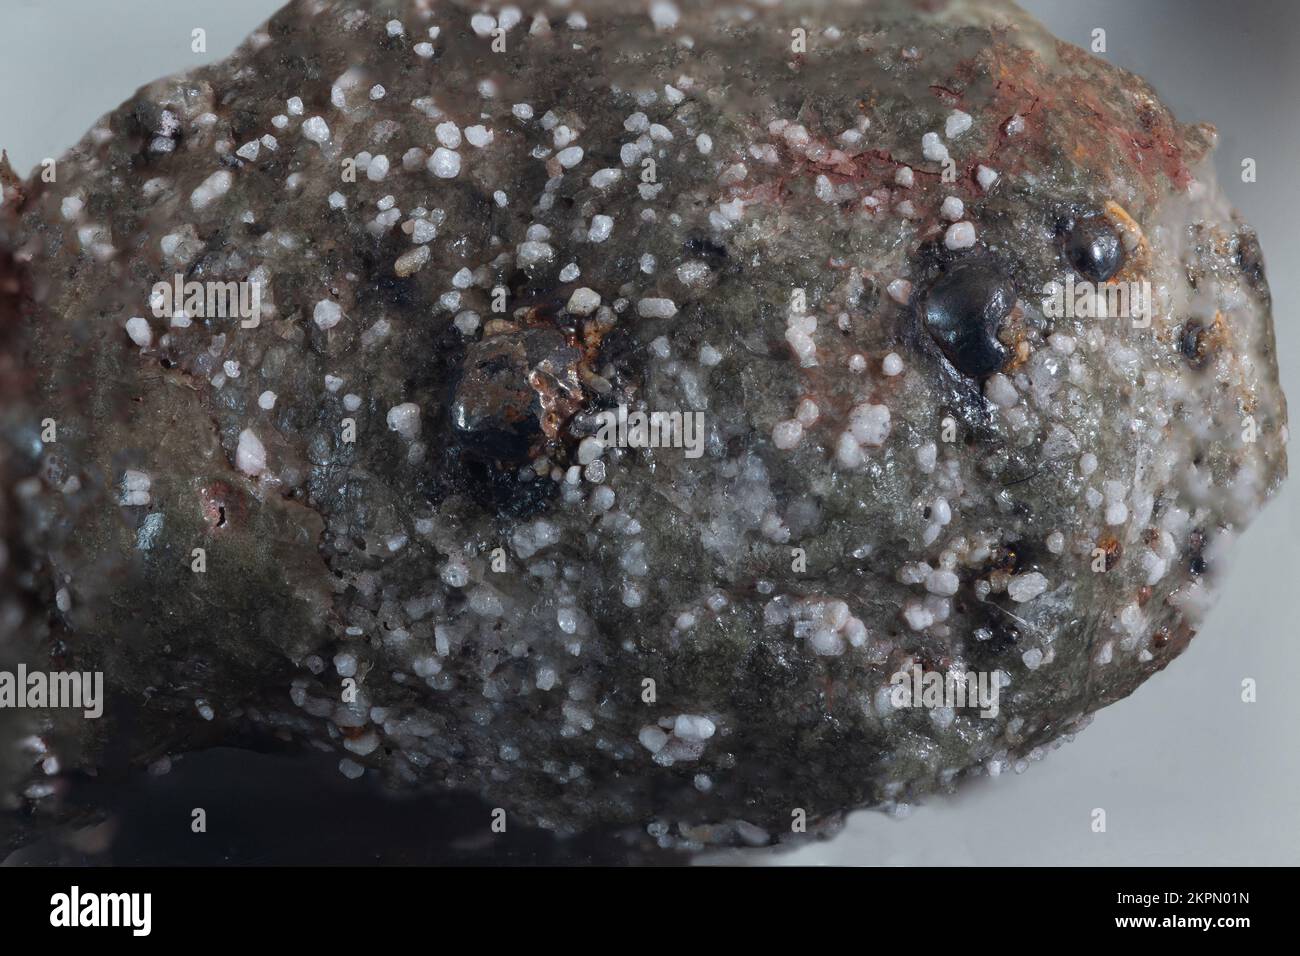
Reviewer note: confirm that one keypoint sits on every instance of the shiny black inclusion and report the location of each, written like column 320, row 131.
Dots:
column 1093, row 248
column 962, row 312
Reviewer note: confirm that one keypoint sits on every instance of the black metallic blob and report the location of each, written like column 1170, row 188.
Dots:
column 1195, row 344
column 1093, row 248
column 494, row 410
column 1250, row 260
column 510, row 388
column 962, row 312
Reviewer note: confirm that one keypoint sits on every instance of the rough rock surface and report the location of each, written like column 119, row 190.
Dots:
column 906, row 458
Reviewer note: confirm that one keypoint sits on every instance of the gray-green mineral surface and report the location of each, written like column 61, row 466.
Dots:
column 689, row 420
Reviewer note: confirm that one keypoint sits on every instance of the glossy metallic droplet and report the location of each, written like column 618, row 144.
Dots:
column 1093, row 248
column 962, row 312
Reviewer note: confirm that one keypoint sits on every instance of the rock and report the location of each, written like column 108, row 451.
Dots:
column 402, row 556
